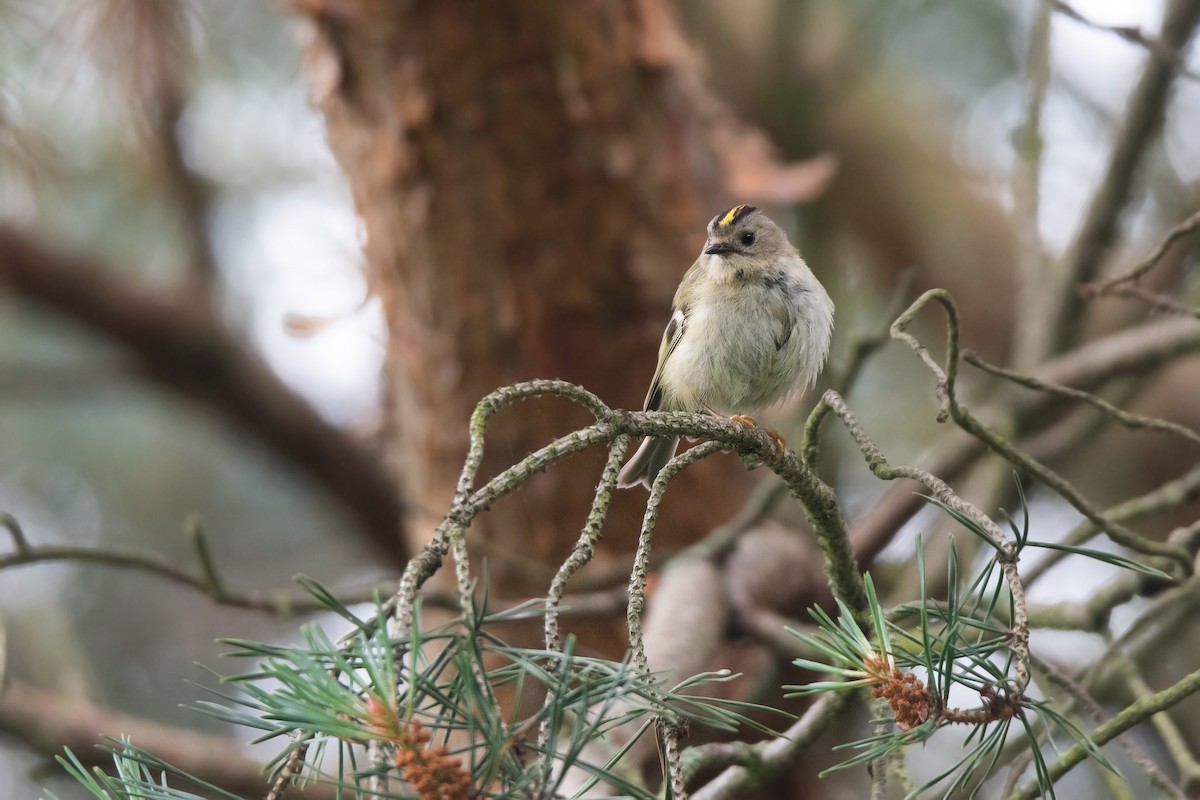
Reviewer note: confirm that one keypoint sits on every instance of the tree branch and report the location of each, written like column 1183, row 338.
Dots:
column 1133, row 350
column 1142, row 121
column 1147, row 262
column 184, row 347
column 1137, row 712
column 1133, row 35
column 755, row 763
column 1000, row 444
column 1127, row 419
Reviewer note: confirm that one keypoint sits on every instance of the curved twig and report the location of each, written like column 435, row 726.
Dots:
column 1006, row 550
column 950, row 407
column 1125, row 418
column 1143, row 118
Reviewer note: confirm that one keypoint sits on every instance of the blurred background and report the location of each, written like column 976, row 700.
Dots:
column 206, row 313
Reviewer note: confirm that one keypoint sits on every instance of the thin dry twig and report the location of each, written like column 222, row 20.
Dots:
column 1126, row 284
column 1134, row 35
column 1172, row 494
column 950, row 407
column 281, row 603
column 1134, row 350
column 1157, row 301
column 1148, row 261
column 1143, row 119
column 278, row 603
column 1125, row 418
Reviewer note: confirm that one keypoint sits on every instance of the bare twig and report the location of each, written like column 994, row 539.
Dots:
column 1134, row 350
column 290, row 769
column 1134, row 35
column 1157, row 301
column 282, row 603
column 279, row 603
column 1006, row 550
column 641, row 558
column 757, row 762
column 1147, row 263
column 1030, row 334
column 1079, row 425
column 1141, row 123
column 194, row 529
column 580, row 555
column 1125, row 418
column 950, row 407
column 10, row 524
column 585, row 547
column 1172, row 494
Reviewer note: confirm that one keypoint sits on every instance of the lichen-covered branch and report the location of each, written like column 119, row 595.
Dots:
column 1006, row 550
column 1137, row 712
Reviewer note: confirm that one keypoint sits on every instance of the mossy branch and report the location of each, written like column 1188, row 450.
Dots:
column 613, row 427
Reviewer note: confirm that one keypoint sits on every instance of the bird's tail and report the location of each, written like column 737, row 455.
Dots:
column 647, row 462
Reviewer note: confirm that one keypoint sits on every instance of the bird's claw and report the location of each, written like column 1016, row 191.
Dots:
column 748, row 422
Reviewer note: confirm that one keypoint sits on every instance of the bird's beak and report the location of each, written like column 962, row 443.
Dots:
column 719, row 249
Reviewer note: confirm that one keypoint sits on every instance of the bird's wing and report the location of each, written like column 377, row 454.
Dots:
column 671, row 337
column 784, row 312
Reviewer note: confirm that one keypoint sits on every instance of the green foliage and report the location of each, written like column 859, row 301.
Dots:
column 436, row 692
column 134, row 779
column 965, row 643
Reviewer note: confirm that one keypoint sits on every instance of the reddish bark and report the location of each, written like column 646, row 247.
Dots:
column 533, row 180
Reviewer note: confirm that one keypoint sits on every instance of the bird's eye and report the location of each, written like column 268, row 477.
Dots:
column 748, row 238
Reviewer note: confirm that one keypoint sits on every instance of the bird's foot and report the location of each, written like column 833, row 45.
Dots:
column 749, row 423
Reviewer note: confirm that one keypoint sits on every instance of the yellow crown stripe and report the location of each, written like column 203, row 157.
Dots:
column 730, row 214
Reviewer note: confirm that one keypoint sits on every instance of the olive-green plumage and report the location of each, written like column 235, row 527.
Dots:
column 750, row 325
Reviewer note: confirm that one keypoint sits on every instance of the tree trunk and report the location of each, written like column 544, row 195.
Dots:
column 533, row 179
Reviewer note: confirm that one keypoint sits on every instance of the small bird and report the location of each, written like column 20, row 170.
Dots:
column 750, row 324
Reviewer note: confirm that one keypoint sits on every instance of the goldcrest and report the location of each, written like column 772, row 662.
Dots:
column 750, row 325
